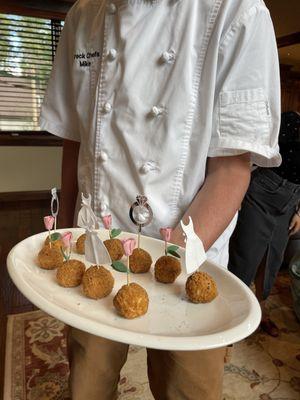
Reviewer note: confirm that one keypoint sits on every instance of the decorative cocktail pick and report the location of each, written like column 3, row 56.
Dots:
column 166, row 235
column 194, row 250
column 86, row 217
column 67, row 242
column 49, row 221
column 95, row 251
column 54, row 206
column 141, row 214
column 128, row 246
column 107, row 222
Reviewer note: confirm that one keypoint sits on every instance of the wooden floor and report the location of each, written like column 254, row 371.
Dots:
column 18, row 220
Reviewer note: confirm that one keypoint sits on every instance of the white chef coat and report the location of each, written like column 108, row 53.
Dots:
column 151, row 89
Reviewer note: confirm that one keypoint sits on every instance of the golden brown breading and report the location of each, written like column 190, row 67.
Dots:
column 50, row 257
column 56, row 243
column 70, row 273
column 140, row 261
column 167, row 269
column 97, row 282
column 115, row 248
column 80, row 248
column 131, row 301
column 201, row 288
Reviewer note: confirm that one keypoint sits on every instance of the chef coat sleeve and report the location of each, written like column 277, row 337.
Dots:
column 246, row 115
column 58, row 113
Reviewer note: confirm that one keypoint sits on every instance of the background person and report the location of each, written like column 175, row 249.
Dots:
column 268, row 217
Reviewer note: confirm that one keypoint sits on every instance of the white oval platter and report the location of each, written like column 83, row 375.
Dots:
column 172, row 322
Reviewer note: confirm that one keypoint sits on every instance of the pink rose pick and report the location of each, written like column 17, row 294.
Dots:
column 128, row 246
column 49, row 222
column 107, row 221
column 66, row 239
column 166, row 233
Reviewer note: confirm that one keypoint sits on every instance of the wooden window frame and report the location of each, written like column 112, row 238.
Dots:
column 28, row 138
column 48, row 9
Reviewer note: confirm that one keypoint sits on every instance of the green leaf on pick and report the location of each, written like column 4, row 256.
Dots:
column 55, row 236
column 173, row 253
column 119, row 266
column 172, row 247
column 114, row 233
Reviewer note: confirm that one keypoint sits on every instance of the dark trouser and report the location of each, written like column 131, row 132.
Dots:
column 263, row 227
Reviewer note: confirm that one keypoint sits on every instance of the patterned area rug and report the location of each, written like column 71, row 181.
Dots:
column 262, row 367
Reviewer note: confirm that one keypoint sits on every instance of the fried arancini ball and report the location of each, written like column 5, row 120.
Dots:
column 131, row 301
column 70, row 273
column 80, row 244
column 114, row 248
column 167, row 269
column 201, row 288
column 50, row 257
column 140, row 261
column 97, row 282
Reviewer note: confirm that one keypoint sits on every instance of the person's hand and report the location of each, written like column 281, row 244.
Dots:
column 294, row 225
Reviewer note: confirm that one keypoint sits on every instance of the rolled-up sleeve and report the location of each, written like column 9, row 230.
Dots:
column 58, row 113
column 246, row 115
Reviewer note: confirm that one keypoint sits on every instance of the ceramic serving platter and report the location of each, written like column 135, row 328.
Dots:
column 172, row 322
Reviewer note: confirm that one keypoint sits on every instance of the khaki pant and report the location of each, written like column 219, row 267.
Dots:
column 173, row 375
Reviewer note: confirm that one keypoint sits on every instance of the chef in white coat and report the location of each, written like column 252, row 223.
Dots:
column 173, row 99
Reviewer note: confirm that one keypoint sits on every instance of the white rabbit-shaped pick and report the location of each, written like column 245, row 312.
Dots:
column 194, row 250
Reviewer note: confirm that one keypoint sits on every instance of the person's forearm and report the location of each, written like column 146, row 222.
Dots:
column 69, row 183
column 219, row 199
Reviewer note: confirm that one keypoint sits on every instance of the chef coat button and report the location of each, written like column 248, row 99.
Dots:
column 165, row 57
column 103, row 207
column 107, row 108
column 168, row 57
column 112, row 9
column 103, row 156
column 149, row 166
column 156, row 111
column 112, row 54
column 145, row 169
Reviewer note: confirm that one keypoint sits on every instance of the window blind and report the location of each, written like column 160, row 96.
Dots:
column 27, row 49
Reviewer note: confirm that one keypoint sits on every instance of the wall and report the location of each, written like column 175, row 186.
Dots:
column 29, row 168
